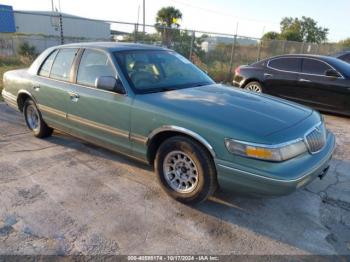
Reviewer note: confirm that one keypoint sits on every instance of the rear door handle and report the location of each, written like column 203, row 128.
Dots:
column 304, row 80
column 36, row 88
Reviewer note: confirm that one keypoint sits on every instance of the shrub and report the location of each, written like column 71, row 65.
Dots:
column 26, row 52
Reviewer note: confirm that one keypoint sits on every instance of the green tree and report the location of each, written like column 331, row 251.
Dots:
column 304, row 29
column 271, row 36
column 345, row 44
column 167, row 18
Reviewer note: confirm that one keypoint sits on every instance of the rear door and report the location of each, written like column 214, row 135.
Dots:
column 281, row 77
column 98, row 115
column 52, row 84
column 329, row 93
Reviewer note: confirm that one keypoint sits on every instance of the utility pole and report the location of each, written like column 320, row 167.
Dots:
column 233, row 51
column 138, row 18
column 61, row 22
column 144, row 16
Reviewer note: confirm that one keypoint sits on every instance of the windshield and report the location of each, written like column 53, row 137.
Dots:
column 157, row 70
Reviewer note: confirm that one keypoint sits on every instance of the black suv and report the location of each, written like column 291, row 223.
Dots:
column 321, row 82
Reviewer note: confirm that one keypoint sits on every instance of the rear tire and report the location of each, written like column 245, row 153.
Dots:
column 185, row 170
column 35, row 121
column 254, row 87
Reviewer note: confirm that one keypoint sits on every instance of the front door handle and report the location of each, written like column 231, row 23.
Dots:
column 36, row 88
column 74, row 96
column 304, row 80
column 268, row 75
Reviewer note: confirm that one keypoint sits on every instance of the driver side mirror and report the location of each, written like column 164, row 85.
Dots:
column 110, row 83
column 332, row 73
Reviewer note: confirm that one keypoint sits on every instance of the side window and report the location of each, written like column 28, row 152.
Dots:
column 46, row 66
column 311, row 66
column 286, row 64
column 93, row 64
column 63, row 63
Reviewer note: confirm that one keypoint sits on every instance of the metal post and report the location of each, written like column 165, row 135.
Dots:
column 260, row 45
column 259, row 50
column 144, row 17
column 233, row 51
column 284, row 47
column 13, row 47
column 61, row 29
column 135, row 33
column 192, row 42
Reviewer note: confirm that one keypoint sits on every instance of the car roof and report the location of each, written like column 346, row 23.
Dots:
column 328, row 59
column 114, row 46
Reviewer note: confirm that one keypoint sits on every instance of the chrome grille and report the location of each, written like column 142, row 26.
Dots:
column 316, row 138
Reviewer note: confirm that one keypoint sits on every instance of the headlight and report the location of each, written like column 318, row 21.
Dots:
column 279, row 152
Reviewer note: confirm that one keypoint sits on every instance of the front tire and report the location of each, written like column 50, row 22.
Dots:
column 34, row 120
column 185, row 170
column 254, row 87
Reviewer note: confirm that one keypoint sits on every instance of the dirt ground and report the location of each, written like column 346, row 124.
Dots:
column 64, row 196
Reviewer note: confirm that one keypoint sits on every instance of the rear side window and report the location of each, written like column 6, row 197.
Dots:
column 46, row 66
column 311, row 66
column 63, row 63
column 286, row 64
column 93, row 64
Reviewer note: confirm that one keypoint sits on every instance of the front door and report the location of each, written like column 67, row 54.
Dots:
column 98, row 115
column 328, row 93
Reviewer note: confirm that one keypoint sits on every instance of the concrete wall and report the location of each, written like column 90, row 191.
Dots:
column 44, row 23
column 9, row 43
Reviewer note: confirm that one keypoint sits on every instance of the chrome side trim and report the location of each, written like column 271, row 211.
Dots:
column 84, row 121
column 184, row 131
column 99, row 126
column 52, row 111
column 10, row 99
column 8, row 96
column 138, row 139
column 263, row 177
column 301, row 73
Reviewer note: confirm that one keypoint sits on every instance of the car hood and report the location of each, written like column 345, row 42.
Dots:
column 230, row 108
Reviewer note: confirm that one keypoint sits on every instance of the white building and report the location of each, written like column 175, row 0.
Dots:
column 48, row 24
column 210, row 43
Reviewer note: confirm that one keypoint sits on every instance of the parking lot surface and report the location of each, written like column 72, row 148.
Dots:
column 63, row 196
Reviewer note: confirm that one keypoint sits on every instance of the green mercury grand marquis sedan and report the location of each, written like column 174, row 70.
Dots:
column 152, row 104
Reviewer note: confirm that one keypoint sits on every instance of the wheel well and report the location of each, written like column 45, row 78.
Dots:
column 21, row 99
column 158, row 139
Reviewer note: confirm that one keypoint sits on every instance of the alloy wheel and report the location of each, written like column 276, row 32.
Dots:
column 180, row 172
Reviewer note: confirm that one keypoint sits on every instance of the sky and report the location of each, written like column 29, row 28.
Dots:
column 254, row 17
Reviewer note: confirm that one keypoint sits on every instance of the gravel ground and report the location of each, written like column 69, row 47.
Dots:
column 64, row 196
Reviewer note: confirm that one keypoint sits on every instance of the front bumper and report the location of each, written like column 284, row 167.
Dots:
column 274, row 179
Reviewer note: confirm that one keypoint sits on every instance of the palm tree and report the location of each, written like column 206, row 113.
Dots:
column 167, row 18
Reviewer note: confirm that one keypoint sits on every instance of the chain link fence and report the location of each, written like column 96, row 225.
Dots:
column 217, row 53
